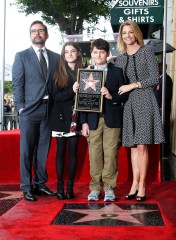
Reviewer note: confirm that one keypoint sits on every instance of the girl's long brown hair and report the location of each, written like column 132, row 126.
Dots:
column 61, row 74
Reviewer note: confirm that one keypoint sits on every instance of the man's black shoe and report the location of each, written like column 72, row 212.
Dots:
column 45, row 191
column 34, row 189
column 42, row 190
column 29, row 196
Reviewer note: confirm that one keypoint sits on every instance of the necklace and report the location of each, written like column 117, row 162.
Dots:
column 133, row 50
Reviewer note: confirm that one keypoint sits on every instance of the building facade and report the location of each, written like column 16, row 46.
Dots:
column 171, row 60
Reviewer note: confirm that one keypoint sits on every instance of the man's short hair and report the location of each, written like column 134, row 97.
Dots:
column 39, row 22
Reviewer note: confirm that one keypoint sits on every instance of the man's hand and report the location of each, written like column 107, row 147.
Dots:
column 21, row 109
column 85, row 130
column 106, row 93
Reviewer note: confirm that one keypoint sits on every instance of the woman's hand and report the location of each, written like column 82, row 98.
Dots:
column 106, row 93
column 129, row 87
column 124, row 89
column 75, row 87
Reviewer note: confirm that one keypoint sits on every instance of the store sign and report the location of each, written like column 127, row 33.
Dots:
column 140, row 11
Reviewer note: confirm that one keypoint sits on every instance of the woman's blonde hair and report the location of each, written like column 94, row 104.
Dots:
column 61, row 73
column 121, row 46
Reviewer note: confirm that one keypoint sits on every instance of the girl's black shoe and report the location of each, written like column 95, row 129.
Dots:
column 69, row 191
column 60, row 191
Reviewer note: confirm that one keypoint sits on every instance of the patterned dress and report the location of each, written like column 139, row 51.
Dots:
column 141, row 121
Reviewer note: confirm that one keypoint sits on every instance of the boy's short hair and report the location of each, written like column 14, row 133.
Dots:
column 100, row 44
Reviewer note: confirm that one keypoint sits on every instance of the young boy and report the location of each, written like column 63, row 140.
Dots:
column 103, row 130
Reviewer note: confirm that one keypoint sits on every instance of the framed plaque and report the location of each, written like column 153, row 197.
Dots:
column 89, row 97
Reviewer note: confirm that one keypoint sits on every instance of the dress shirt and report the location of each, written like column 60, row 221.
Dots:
column 102, row 67
column 36, row 49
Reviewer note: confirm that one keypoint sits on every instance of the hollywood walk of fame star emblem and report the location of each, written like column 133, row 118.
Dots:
column 8, row 195
column 90, row 82
column 110, row 211
column 9, row 199
column 110, row 215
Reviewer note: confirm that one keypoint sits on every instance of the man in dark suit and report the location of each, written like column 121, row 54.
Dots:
column 32, row 69
column 168, row 105
column 104, row 130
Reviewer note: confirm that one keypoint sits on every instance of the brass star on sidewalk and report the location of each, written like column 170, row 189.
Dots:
column 90, row 82
column 11, row 195
column 110, row 211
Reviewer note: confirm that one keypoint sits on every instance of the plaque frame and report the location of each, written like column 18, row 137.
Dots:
column 88, row 97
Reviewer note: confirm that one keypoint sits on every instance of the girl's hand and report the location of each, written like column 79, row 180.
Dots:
column 90, row 67
column 75, row 87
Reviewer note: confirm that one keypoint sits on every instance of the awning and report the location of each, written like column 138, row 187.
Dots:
column 140, row 11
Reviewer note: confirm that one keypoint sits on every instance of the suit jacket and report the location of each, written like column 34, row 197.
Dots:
column 112, row 109
column 29, row 84
column 60, row 114
column 168, row 92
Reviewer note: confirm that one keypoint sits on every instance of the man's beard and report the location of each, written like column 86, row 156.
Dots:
column 38, row 41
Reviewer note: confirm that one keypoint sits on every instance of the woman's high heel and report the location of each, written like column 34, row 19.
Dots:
column 141, row 199
column 131, row 196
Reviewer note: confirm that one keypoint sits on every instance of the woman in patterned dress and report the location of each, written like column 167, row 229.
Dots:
column 142, row 121
column 62, row 120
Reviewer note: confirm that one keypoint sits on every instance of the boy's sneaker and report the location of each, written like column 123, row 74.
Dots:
column 94, row 195
column 109, row 195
